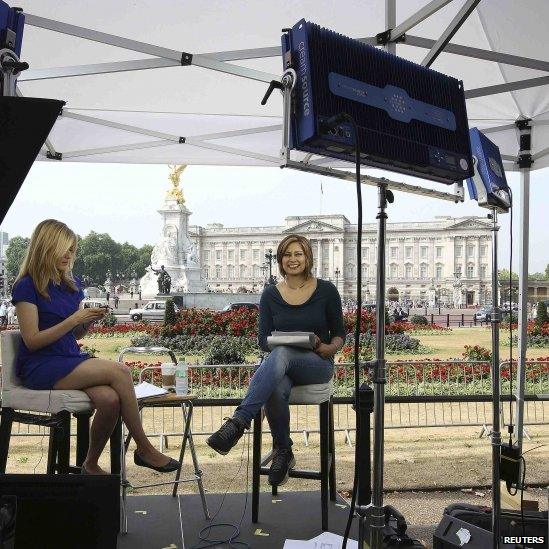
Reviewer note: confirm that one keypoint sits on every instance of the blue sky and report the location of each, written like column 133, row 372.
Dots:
column 122, row 200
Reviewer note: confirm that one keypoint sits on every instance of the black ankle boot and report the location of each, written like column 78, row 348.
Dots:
column 283, row 461
column 227, row 435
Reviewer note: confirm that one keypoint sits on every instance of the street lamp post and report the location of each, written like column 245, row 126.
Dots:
column 457, row 297
column 337, row 272
column 269, row 256
column 263, row 270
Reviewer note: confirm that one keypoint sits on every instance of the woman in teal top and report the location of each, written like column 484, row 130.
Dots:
column 47, row 298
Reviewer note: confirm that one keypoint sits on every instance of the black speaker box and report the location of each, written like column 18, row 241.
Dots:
column 60, row 511
column 25, row 123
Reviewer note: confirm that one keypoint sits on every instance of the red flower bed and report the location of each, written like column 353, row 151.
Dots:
column 368, row 324
column 123, row 329
column 240, row 322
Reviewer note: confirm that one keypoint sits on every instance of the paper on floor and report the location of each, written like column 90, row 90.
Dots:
column 326, row 540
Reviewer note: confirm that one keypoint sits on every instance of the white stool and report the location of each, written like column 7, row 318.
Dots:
column 54, row 411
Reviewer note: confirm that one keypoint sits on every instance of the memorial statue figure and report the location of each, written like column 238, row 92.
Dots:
column 175, row 192
column 166, row 249
column 192, row 257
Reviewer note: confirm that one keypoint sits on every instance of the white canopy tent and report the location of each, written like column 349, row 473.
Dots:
column 118, row 65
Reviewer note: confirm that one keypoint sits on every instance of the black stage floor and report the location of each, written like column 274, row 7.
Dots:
column 164, row 522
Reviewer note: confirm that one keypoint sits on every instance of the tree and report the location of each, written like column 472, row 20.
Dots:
column 541, row 313
column 547, row 271
column 98, row 253
column 170, row 317
column 15, row 254
column 503, row 274
column 142, row 261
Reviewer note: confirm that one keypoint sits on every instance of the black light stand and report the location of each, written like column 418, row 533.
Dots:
column 372, row 516
column 496, row 397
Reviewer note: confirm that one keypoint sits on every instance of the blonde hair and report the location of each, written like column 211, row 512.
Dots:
column 49, row 242
column 305, row 246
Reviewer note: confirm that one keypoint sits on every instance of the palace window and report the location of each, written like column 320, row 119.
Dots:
column 408, row 271
column 408, row 252
column 218, row 255
column 483, row 271
column 439, row 252
column 206, row 256
column 459, row 251
column 326, row 273
column 483, row 250
column 423, row 271
column 458, row 270
column 394, row 271
column 350, row 270
column 423, row 252
column 218, row 271
column 439, row 271
column 470, row 270
column 230, row 255
column 256, row 255
column 206, row 272
column 394, row 252
column 470, row 251
column 242, row 255
column 230, row 271
column 365, row 270
column 243, row 271
column 255, row 270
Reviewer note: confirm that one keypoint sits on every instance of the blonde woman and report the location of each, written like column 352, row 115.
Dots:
column 300, row 302
column 47, row 298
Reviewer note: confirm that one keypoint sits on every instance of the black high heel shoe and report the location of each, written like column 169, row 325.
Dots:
column 171, row 466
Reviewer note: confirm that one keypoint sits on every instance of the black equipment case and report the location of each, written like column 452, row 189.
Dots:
column 480, row 517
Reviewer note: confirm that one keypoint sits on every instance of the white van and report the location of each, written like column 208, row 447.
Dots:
column 153, row 310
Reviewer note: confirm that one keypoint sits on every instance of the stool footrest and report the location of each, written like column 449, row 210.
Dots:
column 37, row 419
column 295, row 473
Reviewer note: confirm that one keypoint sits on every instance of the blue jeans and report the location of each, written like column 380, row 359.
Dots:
column 272, row 383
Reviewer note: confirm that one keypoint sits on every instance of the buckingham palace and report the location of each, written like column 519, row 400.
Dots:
column 433, row 260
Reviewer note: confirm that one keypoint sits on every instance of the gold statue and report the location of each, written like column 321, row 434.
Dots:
column 175, row 192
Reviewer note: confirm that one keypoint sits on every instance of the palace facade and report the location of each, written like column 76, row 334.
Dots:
column 426, row 260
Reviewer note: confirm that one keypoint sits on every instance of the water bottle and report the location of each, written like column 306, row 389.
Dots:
column 182, row 378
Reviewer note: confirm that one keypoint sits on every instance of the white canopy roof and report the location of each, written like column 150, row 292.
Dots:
column 138, row 116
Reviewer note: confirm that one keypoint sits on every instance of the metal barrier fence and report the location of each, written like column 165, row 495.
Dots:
column 436, row 393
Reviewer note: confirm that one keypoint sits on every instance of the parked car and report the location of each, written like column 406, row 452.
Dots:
column 241, row 305
column 153, row 310
column 94, row 303
column 484, row 314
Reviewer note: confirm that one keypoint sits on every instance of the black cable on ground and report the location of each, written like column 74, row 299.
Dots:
column 333, row 122
column 204, row 533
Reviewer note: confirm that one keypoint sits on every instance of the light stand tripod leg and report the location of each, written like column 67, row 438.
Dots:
column 496, row 397
column 374, row 513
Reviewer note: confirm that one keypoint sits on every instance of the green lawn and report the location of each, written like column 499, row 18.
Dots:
column 444, row 346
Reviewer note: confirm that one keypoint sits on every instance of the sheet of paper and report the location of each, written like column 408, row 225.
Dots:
column 144, row 390
column 299, row 544
column 328, row 540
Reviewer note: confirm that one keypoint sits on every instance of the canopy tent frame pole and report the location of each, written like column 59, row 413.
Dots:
column 525, row 163
column 449, row 32
column 184, row 58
